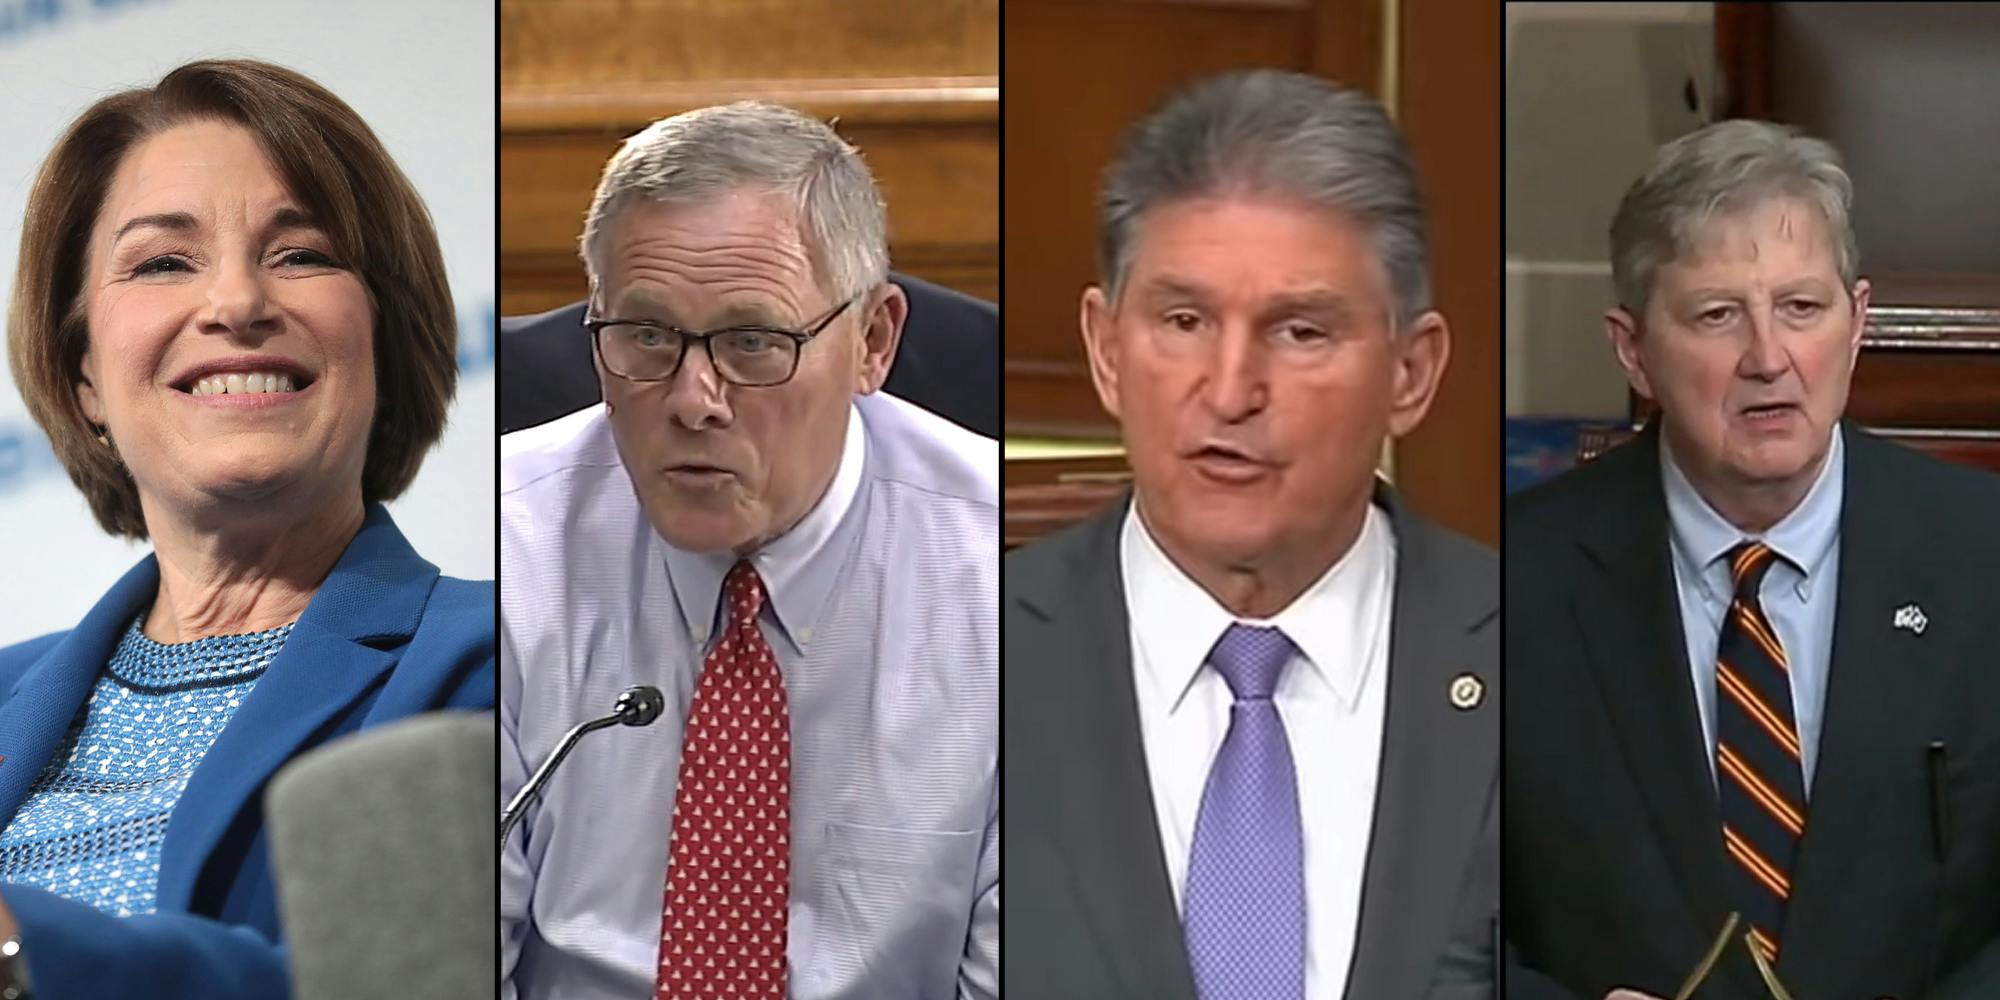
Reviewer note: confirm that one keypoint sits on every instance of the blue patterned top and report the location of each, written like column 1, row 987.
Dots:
column 90, row 829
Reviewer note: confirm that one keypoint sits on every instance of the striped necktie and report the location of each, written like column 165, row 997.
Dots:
column 1759, row 773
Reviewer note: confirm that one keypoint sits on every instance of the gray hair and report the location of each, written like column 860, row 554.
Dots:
column 1272, row 132
column 1718, row 170
column 706, row 153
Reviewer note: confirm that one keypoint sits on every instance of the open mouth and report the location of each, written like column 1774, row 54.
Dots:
column 1227, row 464
column 1769, row 411
column 244, row 376
column 244, row 383
column 1224, row 452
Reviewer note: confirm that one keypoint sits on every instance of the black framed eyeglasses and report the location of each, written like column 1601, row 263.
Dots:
column 644, row 350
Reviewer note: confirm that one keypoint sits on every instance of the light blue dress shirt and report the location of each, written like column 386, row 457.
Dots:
column 883, row 613
column 1799, row 592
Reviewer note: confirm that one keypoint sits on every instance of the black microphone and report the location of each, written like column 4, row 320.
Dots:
column 638, row 705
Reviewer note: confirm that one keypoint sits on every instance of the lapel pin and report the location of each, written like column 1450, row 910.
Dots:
column 1467, row 691
column 1911, row 617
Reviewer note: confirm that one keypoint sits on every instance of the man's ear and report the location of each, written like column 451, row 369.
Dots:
column 593, row 308
column 1421, row 355
column 886, row 309
column 1622, row 330
column 1101, row 345
column 1862, row 290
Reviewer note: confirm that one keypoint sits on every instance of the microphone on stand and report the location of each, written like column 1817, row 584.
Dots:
column 638, row 705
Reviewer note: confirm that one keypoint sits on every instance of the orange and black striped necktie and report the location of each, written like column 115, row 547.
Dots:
column 1759, row 771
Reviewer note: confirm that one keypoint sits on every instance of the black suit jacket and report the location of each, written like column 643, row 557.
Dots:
column 1091, row 914
column 948, row 362
column 1614, row 865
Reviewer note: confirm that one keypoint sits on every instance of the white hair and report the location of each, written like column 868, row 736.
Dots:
column 706, row 153
column 1724, row 169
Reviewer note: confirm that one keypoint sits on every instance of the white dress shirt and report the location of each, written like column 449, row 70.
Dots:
column 883, row 614
column 1331, row 697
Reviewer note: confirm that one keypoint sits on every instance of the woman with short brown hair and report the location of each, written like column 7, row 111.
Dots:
column 232, row 321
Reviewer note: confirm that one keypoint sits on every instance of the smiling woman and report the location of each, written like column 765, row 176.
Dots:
column 203, row 281
column 140, row 221
column 231, row 320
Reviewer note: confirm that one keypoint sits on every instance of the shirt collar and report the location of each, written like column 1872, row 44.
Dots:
column 1804, row 537
column 1332, row 622
column 798, row 567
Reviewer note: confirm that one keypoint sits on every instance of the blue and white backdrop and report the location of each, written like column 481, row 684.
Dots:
column 421, row 73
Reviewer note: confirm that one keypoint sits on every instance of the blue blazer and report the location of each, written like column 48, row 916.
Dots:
column 386, row 637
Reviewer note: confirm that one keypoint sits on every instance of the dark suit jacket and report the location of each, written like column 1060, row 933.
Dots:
column 386, row 637
column 1090, row 910
column 1614, row 864
column 948, row 362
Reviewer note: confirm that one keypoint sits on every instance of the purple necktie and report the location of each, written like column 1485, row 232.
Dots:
column 1245, row 908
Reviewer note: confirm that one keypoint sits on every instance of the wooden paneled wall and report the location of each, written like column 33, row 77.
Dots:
column 1448, row 104
column 1849, row 73
column 914, row 86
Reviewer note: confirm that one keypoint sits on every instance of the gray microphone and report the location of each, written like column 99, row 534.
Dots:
column 638, row 705
column 384, row 873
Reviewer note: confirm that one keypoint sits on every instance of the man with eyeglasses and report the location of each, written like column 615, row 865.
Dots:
column 804, row 566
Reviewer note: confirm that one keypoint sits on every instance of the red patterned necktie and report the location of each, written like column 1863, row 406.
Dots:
column 722, row 929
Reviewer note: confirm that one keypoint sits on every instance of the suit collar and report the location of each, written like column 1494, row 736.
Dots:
column 1439, row 765
column 1458, row 601
column 342, row 646
column 38, row 711
column 1630, row 523
column 1882, row 702
column 1629, row 619
column 1105, row 823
